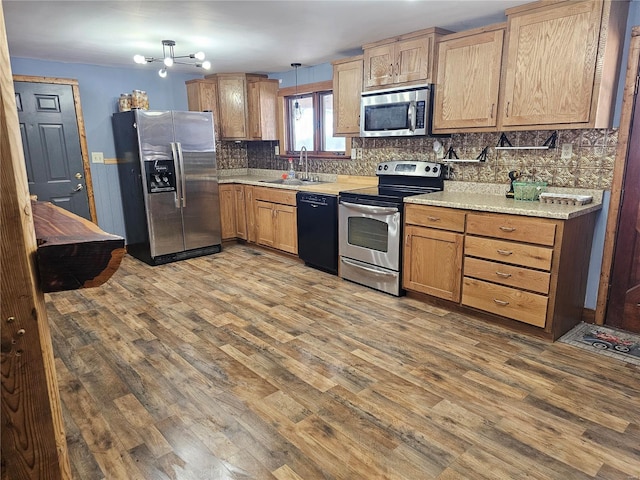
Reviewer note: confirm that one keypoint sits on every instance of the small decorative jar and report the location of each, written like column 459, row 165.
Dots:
column 124, row 102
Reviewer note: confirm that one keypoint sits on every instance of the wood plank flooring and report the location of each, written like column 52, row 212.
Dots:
column 249, row 365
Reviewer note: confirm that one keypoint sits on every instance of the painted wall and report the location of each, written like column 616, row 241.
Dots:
column 100, row 88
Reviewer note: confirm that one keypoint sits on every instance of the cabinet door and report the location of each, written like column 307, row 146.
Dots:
column 232, row 92
column 241, row 218
column 433, row 262
column 227, row 212
column 414, row 60
column 379, row 65
column 202, row 96
column 286, row 228
column 261, row 106
column 551, row 64
column 466, row 93
column 347, row 87
column 250, row 209
column 264, row 223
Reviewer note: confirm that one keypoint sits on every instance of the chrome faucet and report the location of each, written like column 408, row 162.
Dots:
column 306, row 162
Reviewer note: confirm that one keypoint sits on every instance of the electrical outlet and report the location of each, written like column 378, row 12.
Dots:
column 567, row 151
column 277, row 150
column 97, row 157
column 358, row 153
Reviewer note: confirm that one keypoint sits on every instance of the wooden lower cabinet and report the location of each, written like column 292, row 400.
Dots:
column 276, row 223
column 526, row 269
column 233, row 216
column 432, row 262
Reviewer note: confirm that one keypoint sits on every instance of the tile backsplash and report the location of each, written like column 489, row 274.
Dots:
column 589, row 165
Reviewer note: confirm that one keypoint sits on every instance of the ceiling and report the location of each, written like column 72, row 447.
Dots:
column 236, row 36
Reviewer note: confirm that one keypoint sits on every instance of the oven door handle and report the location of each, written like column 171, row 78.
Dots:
column 372, row 270
column 370, row 208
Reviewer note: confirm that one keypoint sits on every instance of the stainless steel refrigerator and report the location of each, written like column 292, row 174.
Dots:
column 169, row 184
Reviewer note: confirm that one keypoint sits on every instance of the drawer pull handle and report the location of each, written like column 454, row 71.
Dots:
column 504, row 252
column 501, row 302
column 433, row 219
column 507, row 229
column 503, row 275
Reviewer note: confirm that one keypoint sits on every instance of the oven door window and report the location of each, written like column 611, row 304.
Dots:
column 368, row 233
column 393, row 116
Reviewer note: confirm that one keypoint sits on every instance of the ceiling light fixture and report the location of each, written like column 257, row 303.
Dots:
column 169, row 58
column 297, row 110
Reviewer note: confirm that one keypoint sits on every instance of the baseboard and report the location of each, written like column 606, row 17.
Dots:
column 588, row 315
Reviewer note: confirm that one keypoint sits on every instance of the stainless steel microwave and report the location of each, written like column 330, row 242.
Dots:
column 396, row 112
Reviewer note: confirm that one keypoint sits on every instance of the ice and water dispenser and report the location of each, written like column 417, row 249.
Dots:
column 160, row 176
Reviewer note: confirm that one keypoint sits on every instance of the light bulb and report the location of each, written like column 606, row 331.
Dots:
column 168, row 61
column 297, row 111
column 206, row 64
column 162, row 72
column 199, row 55
column 139, row 59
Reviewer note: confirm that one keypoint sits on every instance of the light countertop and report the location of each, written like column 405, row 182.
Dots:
column 491, row 198
column 483, row 197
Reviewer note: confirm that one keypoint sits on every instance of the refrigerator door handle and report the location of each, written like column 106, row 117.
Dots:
column 174, row 152
column 182, row 179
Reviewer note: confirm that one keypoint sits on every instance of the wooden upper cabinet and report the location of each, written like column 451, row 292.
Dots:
column 232, row 96
column 262, row 94
column 406, row 59
column 347, row 87
column 245, row 107
column 202, row 96
column 562, row 64
column 468, row 80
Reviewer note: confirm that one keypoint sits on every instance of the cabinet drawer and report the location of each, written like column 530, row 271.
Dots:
column 435, row 217
column 512, row 227
column 511, row 276
column 275, row 195
column 508, row 302
column 509, row 252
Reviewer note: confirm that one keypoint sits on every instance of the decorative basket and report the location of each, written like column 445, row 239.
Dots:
column 529, row 191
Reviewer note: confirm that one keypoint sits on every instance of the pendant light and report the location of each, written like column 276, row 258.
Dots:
column 297, row 110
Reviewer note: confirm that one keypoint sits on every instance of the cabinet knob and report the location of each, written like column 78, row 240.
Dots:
column 506, row 110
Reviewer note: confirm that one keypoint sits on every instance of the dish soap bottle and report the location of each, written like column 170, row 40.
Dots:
column 292, row 172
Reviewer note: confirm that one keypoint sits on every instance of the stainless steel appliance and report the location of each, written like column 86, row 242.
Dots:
column 318, row 230
column 169, row 184
column 370, row 223
column 396, row 112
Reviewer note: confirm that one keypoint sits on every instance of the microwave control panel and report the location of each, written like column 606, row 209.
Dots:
column 420, row 116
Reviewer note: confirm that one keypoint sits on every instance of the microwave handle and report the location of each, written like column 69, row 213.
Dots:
column 411, row 114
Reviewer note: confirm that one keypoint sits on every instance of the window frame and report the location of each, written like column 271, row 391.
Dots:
column 284, row 117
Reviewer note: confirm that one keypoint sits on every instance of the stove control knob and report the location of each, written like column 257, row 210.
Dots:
column 435, row 169
column 427, row 168
column 379, row 167
column 386, row 167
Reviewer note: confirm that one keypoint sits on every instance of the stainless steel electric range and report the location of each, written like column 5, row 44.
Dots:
column 370, row 223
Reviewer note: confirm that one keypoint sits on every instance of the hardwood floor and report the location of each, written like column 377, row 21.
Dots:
column 249, row 365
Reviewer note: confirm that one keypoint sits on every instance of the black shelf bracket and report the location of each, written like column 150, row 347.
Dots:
column 551, row 141
column 503, row 141
column 450, row 155
column 483, row 154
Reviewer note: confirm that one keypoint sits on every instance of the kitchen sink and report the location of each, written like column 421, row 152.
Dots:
column 293, row 181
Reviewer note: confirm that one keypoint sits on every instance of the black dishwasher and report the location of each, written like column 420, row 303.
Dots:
column 318, row 230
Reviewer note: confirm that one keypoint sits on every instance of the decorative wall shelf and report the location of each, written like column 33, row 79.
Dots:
column 505, row 144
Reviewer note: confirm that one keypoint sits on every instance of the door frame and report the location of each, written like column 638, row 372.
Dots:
column 619, row 172
column 81, row 131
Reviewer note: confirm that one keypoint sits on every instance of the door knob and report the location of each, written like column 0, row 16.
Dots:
column 78, row 188
column 78, row 175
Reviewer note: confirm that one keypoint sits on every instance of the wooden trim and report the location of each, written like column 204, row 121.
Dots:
column 407, row 36
column 33, row 438
column 81, row 131
column 306, row 88
column 619, row 169
column 474, row 31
